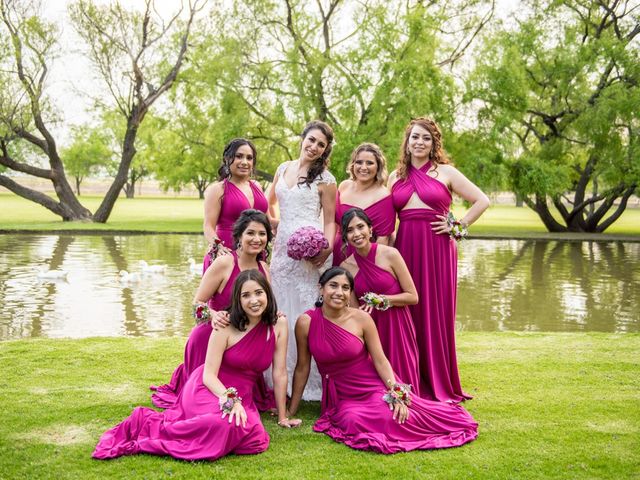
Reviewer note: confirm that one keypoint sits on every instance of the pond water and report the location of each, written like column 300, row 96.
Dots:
column 503, row 285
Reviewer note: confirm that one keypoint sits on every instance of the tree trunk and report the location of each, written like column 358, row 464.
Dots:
column 78, row 181
column 542, row 209
column 519, row 200
column 128, row 152
column 129, row 190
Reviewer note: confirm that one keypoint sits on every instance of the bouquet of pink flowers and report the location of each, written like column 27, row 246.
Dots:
column 306, row 243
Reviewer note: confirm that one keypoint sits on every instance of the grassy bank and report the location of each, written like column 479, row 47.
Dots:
column 161, row 214
column 548, row 405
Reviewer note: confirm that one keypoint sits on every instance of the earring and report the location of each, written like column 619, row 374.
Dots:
column 319, row 301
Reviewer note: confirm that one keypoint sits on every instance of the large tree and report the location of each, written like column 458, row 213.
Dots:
column 137, row 54
column 364, row 67
column 559, row 95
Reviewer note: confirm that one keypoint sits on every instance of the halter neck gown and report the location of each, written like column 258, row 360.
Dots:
column 352, row 409
column 193, row 429
column 383, row 221
column 432, row 262
column 395, row 327
column 195, row 352
column 234, row 202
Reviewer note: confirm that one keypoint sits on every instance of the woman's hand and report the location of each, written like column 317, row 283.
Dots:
column 442, row 226
column 400, row 412
column 217, row 250
column 366, row 308
column 219, row 319
column 274, row 225
column 319, row 259
column 239, row 413
column 289, row 422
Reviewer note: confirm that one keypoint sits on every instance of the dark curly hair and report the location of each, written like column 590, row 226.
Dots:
column 322, row 162
column 240, row 225
column 237, row 316
column 229, row 155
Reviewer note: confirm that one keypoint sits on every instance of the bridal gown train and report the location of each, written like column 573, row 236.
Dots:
column 295, row 282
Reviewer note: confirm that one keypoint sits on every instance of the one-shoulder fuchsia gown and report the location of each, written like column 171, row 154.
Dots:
column 352, row 409
column 234, row 202
column 432, row 261
column 383, row 221
column 395, row 327
column 195, row 352
column 194, row 429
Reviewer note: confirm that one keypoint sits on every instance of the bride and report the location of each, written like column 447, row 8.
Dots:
column 304, row 192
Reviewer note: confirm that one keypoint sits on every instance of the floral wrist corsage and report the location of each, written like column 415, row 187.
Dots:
column 379, row 302
column 213, row 248
column 228, row 399
column 457, row 230
column 398, row 393
column 201, row 312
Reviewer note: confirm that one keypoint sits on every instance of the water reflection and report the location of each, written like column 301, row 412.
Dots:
column 503, row 285
column 549, row 286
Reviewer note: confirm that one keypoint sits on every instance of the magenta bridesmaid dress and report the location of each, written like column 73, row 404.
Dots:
column 395, row 327
column 234, row 202
column 432, row 261
column 352, row 409
column 195, row 352
column 383, row 221
column 194, row 428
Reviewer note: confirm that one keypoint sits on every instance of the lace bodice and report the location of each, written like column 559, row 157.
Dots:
column 295, row 282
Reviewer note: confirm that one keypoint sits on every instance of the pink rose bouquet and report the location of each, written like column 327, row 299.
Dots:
column 306, row 243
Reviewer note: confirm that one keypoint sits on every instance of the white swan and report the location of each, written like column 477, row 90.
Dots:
column 146, row 268
column 126, row 277
column 52, row 274
column 195, row 267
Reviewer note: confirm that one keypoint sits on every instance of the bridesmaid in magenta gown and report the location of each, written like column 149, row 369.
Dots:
column 365, row 189
column 197, row 427
column 227, row 198
column 252, row 233
column 380, row 269
column 421, row 187
column 355, row 373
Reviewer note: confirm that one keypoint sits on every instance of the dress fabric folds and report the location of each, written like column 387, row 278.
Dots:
column 193, row 429
column 395, row 327
column 353, row 411
column 432, row 262
column 195, row 352
column 383, row 222
column 234, row 202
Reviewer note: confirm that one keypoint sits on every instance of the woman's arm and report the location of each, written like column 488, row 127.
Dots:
column 211, row 283
column 272, row 199
column 212, row 206
column 303, row 364
column 409, row 295
column 466, row 189
column 380, row 362
column 328, row 202
column 279, row 372
column 218, row 342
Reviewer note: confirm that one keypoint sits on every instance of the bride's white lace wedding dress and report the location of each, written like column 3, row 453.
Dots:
column 295, row 282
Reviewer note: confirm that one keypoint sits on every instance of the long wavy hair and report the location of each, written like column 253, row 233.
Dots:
column 437, row 154
column 329, row 274
column 381, row 161
column 322, row 162
column 237, row 316
column 240, row 225
column 229, row 156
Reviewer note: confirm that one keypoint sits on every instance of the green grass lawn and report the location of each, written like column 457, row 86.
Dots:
column 163, row 214
column 548, row 405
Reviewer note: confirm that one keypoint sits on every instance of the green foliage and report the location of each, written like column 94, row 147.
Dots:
column 560, row 96
column 89, row 151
